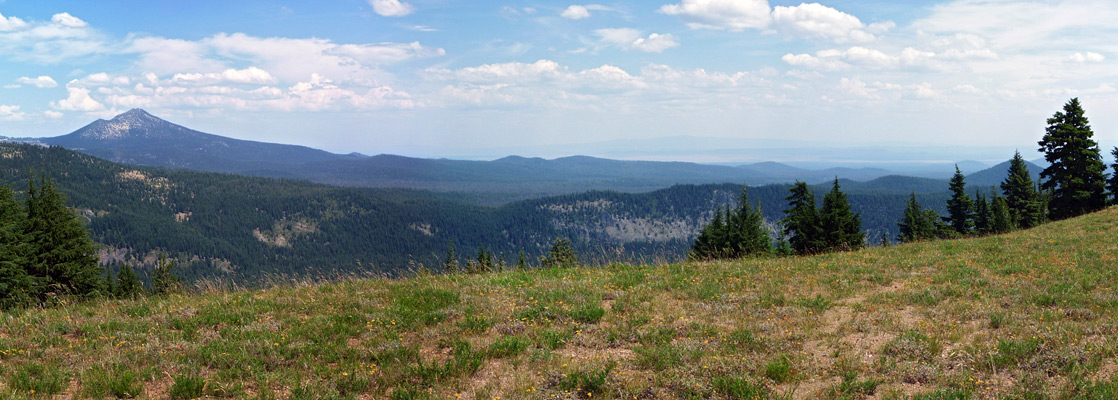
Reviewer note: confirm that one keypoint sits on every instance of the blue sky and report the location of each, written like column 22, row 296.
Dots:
column 489, row 78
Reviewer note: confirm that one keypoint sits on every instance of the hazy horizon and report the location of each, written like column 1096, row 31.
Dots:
column 729, row 81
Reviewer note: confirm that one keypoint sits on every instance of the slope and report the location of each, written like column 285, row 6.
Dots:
column 1024, row 315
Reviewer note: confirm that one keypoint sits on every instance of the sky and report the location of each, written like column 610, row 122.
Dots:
column 690, row 80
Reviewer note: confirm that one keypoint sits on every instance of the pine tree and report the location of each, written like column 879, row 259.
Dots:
column 960, row 208
column 782, row 248
column 64, row 254
column 1113, row 184
column 982, row 214
column 748, row 234
column 1020, row 194
column 1075, row 174
column 842, row 228
column 163, row 278
column 801, row 221
column 560, row 255
column 711, row 238
column 915, row 224
column 1003, row 221
column 521, row 261
column 17, row 287
column 128, row 284
column 450, row 262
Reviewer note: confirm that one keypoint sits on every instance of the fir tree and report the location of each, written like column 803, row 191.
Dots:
column 1020, row 194
column 801, row 221
column 17, row 287
column 783, row 248
column 128, row 284
column 915, row 224
column 1112, row 185
column 63, row 253
column 1002, row 221
column 982, row 214
column 560, row 255
column 521, row 261
column 1075, row 174
column 842, row 228
column 450, row 262
column 711, row 237
column 748, row 234
column 163, row 278
column 960, row 208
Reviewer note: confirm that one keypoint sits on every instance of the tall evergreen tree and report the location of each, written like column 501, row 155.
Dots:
column 1020, row 194
column 17, row 287
column 561, row 255
column 63, row 252
column 982, row 214
column 1075, row 174
column 842, row 228
column 960, row 208
column 163, row 278
column 711, row 238
column 521, row 261
column 1002, row 221
column 916, row 224
column 748, row 234
column 1112, row 185
column 801, row 221
column 450, row 262
column 128, row 284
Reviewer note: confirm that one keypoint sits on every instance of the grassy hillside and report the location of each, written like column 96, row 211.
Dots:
column 1031, row 314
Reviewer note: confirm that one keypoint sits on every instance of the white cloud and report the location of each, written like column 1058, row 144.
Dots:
column 40, row 82
column 52, row 114
column 1084, row 58
column 67, row 20
column 816, row 21
column 391, row 8
column 10, row 113
column 631, row 39
column 11, row 23
column 78, row 100
column 731, row 15
column 575, row 12
column 250, row 75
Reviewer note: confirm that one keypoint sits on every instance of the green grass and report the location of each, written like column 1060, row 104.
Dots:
column 1019, row 316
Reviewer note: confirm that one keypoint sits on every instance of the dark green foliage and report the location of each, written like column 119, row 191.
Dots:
column 450, row 262
column 801, row 223
column 1112, row 185
column 919, row 224
column 1020, row 195
column 62, row 252
column 163, row 278
column 561, row 255
column 483, row 263
column 982, row 214
column 1076, row 174
column 960, row 208
column 521, row 261
column 17, row 287
column 842, row 228
column 128, row 284
column 733, row 233
column 1002, row 221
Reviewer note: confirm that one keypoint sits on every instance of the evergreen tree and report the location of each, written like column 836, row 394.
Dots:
column 801, row 221
column 982, row 214
column 1075, row 174
column 163, row 278
column 1113, row 184
column 560, row 255
column 748, row 234
column 783, row 248
column 885, row 238
column 711, row 238
column 916, row 224
column 17, row 287
column 63, row 253
column 128, row 284
column 1020, row 194
column 842, row 228
column 450, row 263
column 521, row 261
column 960, row 208
column 1002, row 221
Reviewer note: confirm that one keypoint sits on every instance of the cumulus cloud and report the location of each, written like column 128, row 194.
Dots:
column 732, row 15
column 10, row 113
column 40, row 82
column 67, row 20
column 808, row 20
column 64, row 37
column 1084, row 58
column 576, row 11
column 251, row 75
column 11, row 23
column 78, row 100
column 632, row 39
column 391, row 8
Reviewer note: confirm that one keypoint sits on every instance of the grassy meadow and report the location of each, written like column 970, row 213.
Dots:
column 1028, row 315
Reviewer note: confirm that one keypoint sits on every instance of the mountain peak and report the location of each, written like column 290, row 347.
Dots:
column 133, row 123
